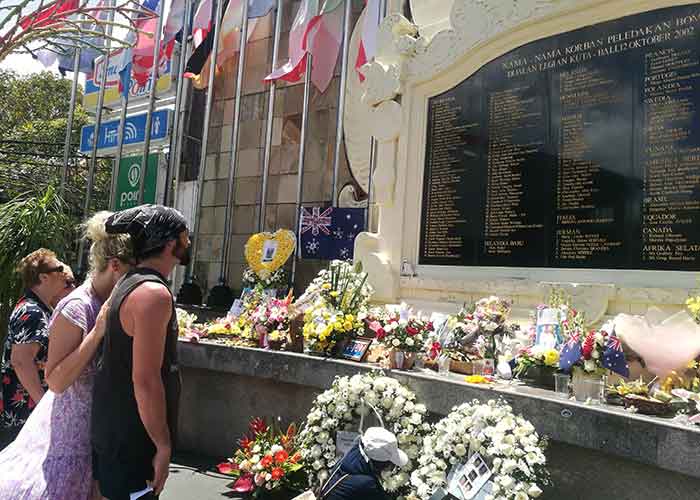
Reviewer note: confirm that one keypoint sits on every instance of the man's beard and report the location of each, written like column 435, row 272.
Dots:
column 182, row 253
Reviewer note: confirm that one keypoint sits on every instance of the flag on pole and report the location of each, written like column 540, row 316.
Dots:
column 324, row 39
column 197, row 67
column 571, row 353
column 293, row 69
column 142, row 53
column 614, row 357
column 329, row 233
column 49, row 15
column 368, row 41
column 201, row 25
column 175, row 20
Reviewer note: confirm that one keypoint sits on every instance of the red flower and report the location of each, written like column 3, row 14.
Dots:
column 429, row 326
column 380, row 334
column 227, row 467
column 245, row 442
column 588, row 344
column 411, row 331
column 244, row 484
column 258, row 426
column 435, row 350
column 266, row 461
column 281, row 457
column 18, row 397
column 277, row 473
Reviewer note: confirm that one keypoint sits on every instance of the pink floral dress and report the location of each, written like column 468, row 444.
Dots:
column 51, row 459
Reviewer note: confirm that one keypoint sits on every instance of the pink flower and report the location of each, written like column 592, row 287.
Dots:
column 227, row 467
column 244, row 484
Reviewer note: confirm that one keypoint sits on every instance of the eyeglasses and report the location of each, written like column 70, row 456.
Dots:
column 57, row 269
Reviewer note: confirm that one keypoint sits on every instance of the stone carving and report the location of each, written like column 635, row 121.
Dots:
column 473, row 22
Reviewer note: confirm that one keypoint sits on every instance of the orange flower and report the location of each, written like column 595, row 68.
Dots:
column 277, row 473
column 281, row 457
column 266, row 461
column 296, row 457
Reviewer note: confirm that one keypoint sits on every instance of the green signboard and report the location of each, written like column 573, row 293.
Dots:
column 128, row 179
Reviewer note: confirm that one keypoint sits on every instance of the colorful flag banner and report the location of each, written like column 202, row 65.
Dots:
column 201, row 25
column 368, row 41
column 329, row 233
column 142, row 53
column 49, row 15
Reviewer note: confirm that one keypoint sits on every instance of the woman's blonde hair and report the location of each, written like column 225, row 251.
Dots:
column 105, row 246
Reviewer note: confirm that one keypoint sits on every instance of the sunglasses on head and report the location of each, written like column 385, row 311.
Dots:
column 57, row 269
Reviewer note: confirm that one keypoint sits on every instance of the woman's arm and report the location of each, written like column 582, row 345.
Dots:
column 23, row 363
column 70, row 352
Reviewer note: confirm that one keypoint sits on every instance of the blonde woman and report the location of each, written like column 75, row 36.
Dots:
column 51, row 458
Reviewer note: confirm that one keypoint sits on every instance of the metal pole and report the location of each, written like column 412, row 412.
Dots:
column 96, row 136
column 270, row 118
column 69, row 122
column 175, row 138
column 347, row 15
column 151, row 100
column 235, row 136
column 302, row 154
column 205, row 139
column 120, row 148
column 171, row 199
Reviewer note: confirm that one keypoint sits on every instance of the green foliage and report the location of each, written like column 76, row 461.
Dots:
column 27, row 223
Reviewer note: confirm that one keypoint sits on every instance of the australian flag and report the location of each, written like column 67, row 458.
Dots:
column 329, row 232
column 614, row 358
column 571, row 353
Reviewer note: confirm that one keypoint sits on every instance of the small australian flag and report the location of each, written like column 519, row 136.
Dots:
column 570, row 353
column 329, row 233
column 614, row 357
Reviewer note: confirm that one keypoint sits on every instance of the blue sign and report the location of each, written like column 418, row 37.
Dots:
column 134, row 131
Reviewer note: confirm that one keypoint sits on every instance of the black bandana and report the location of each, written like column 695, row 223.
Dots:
column 150, row 226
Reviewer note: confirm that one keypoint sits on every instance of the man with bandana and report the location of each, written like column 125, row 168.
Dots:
column 137, row 384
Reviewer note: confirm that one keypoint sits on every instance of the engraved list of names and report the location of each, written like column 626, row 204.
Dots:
column 577, row 151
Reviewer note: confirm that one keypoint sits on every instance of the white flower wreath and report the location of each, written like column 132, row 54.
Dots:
column 508, row 443
column 340, row 409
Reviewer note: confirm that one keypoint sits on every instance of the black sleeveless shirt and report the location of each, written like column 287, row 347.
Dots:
column 117, row 429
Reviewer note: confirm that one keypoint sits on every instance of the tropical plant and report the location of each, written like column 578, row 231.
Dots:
column 29, row 222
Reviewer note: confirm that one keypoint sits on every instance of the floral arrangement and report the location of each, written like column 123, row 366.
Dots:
column 402, row 330
column 277, row 279
column 334, row 306
column 340, row 409
column 508, row 443
column 536, row 356
column 267, row 460
column 284, row 242
column 478, row 331
column 688, row 379
column 270, row 319
column 593, row 346
column 325, row 326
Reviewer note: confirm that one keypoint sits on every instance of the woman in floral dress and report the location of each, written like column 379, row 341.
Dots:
column 46, row 280
column 51, row 458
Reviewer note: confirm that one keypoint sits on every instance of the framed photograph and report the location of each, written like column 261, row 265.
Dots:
column 357, row 349
column 548, row 329
column 471, row 480
column 269, row 251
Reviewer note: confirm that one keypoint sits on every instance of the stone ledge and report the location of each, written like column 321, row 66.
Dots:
column 611, row 430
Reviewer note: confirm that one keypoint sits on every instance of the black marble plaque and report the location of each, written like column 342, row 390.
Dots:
column 577, row 151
